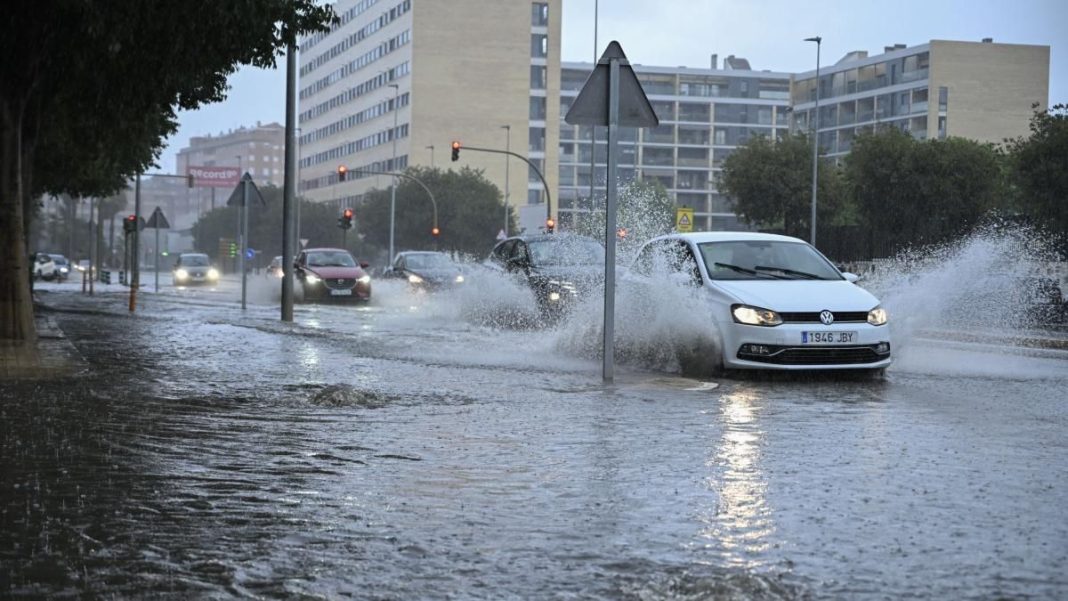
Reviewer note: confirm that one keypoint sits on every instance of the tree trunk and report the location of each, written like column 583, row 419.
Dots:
column 16, row 302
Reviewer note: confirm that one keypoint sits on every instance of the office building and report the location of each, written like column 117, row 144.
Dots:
column 258, row 150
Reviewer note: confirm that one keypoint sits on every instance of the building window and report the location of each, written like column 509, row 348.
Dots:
column 539, row 16
column 537, row 108
column 943, row 98
column 539, row 45
column 537, row 77
column 537, row 139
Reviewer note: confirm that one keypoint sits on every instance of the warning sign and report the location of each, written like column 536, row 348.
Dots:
column 684, row 219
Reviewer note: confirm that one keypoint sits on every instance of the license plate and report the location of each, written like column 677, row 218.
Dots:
column 341, row 292
column 828, row 337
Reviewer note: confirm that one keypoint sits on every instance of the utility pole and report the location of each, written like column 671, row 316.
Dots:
column 815, row 139
column 507, row 187
column 393, row 167
column 289, row 190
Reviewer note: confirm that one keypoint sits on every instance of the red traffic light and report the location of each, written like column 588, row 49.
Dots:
column 621, row 232
column 435, row 231
column 348, row 213
column 550, row 224
column 131, row 218
column 455, row 150
column 342, row 171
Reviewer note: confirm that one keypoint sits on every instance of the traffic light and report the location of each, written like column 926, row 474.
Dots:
column 129, row 225
column 455, row 150
column 621, row 233
column 233, row 250
column 345, row 221
column 342, row 171
column 435, row 231
column 550, row 225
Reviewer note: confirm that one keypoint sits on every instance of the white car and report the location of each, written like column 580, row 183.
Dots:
column 773, row 302
column 44, row 267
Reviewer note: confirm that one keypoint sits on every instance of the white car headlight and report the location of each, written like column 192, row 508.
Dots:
column 213, row 274
column 311, row 278
column 365, row 279
column 877, row 316
column 414, row 279
column 459, row 279
column 755, row 316
column 181, row 274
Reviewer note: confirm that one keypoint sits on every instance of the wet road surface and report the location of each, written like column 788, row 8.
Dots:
column 403, row 450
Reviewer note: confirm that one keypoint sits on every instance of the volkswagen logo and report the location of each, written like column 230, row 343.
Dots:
column 826, row 317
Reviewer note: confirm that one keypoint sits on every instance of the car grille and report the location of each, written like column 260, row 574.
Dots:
column 340, row 283
column 817, row 355
column 814, row 317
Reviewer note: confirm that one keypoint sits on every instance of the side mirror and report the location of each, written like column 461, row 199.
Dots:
column 364, row 264
column 850, row 277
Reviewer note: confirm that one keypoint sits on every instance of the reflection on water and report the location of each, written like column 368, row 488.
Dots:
column 740, row 524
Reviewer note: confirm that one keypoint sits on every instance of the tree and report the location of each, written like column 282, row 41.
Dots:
column 470, row 208
column 912, row 192
column 1039, row 165
column 770, row 183
column 88, row 92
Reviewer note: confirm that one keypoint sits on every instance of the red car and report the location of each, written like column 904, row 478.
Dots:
column 332, row 274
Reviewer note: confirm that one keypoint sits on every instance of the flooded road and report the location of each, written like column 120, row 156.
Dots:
column 405, row 451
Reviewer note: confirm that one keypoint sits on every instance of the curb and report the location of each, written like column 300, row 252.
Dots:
column 53, row 356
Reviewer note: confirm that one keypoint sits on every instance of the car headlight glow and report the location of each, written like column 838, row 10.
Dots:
column 459, row 279
column 877, row 316
column 213, row 274
column 312, row 279
column 414, row 279
column 181, row 274
column 366, row 279
column 755, row 316
column 554, row 296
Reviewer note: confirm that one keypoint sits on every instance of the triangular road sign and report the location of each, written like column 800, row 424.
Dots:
column 237, row 197
column 158, row 221
column 303, row 242
column 591, row 106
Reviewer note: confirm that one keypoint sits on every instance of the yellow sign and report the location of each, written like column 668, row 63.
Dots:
column 684, row 219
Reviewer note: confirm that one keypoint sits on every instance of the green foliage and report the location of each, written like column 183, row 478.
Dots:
column 770, row 184
column 912, row 192
column 318, row 224
column 645, row 211
column 1039, row 169
column 470, row 212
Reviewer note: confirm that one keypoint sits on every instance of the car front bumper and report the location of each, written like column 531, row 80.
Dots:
column 786, row 347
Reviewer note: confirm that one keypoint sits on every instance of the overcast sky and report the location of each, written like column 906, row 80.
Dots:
column 686, row 32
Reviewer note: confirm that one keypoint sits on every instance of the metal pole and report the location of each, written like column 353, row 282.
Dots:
column 593, row 128
column 94, row 249
column 815, row 140
column 289, row 191
column 393, row 167
column 610, row 223
column 431, row 149
column 507, row 186
column 135, row 250
column 157, row 257
column 244, row 239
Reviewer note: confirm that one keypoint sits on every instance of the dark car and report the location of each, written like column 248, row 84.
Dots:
column 426, row 270
column 559, row 268
column 332, row 274
column 1042, row 299
column 194, row 268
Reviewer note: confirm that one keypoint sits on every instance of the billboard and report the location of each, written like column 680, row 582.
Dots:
column 214, row 177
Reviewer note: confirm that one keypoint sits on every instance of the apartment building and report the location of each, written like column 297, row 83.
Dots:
column 397, row 81
column 978, row 90
column 704, row 115
column 259, row 150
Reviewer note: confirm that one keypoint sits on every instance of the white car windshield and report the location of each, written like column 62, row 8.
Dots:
column 765, row 260
column 195, row 261
column 566, row 251
column 338, row 258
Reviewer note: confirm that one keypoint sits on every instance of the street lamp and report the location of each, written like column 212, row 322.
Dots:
column 508, row 147
column 393, row 167
column 815, row 138
column 431, row 149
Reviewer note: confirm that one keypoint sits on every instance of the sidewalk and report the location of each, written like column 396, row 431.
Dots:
column 54, row 355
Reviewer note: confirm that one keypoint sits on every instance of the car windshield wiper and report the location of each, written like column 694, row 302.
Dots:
column 747, row 271
column 794, row 272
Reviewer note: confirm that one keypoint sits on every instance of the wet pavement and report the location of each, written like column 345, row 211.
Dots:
column 405, row 450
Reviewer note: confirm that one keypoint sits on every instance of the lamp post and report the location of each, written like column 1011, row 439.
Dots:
column 815, row 139
column 507, row 188
column 431, row 149
column 593, row 128
column 393, row 167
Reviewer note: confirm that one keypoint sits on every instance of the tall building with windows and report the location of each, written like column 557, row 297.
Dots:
column 704, row 115
column 259, row 150
column 397, row 81
column 978, row 90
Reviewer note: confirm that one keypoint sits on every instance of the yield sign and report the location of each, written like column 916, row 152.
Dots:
column 591, row 106
column 157, row 221
column 237, row 197
column 303, row 242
